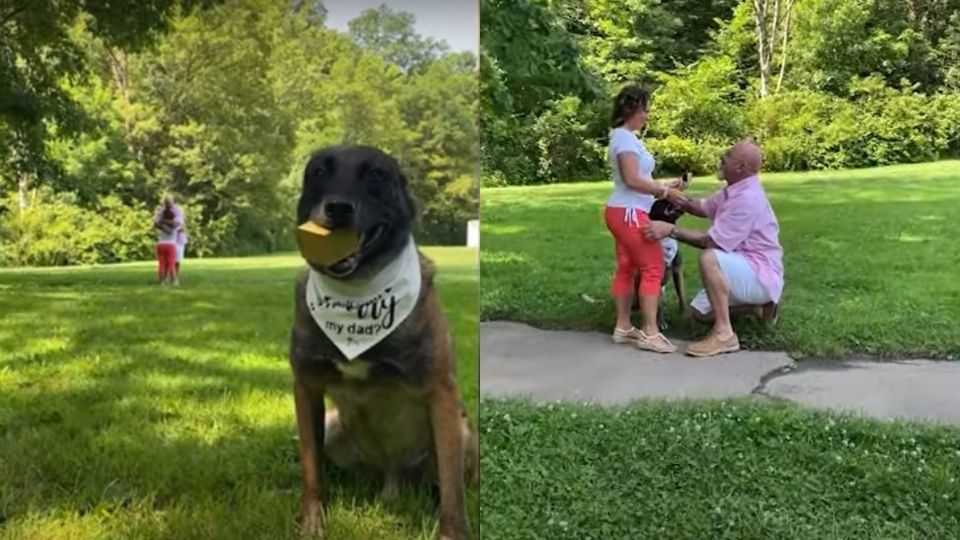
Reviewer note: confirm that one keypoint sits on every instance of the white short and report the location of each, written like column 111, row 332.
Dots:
column 180, row 250
column 745, row 287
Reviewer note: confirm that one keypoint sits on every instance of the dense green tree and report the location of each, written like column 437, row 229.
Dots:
column 439, row 108
column 37, row 54
column 391, row 35
column 221, row 110
column 538, row 58
column 821, row 83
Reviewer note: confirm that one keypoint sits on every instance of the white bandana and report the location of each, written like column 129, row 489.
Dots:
column 356, row 315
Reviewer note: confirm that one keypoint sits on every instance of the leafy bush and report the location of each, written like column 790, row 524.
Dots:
column 947, row 120
column 508, row 155
column 565, row 148
column 699, row 102
column 444, row 219
column 54, row 231
column 675, row 155
column 878, row 125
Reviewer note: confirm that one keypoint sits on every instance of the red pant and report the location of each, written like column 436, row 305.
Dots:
column 634, row 253
column 166, row 259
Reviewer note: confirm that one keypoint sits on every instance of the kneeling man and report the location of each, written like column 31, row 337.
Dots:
column 741, row 264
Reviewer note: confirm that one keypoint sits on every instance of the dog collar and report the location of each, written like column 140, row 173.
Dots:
column 357, row 314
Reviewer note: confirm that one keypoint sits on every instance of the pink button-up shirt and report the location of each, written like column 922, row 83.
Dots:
column 744, row 223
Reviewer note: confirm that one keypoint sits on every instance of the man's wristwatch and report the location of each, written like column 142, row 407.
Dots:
column 673, row 232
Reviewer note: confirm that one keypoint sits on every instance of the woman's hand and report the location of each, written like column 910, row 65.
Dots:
column 675, row 196
column 675, row 184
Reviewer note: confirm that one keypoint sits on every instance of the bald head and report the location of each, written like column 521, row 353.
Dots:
column 741, row 161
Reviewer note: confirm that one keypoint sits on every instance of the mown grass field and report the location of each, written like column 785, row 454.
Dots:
column 871, row 260
column 131, row 411
column 728, row 470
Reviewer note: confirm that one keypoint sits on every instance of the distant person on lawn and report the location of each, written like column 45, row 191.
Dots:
column 741, row 264
column 181, row 232
column 167, row 246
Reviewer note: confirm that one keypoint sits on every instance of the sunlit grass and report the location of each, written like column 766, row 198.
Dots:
column 131, row 411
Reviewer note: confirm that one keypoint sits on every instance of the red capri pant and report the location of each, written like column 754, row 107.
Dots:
column 166, row 258
column 634, row 252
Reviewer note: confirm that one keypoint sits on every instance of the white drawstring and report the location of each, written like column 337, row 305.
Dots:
column 630, row 217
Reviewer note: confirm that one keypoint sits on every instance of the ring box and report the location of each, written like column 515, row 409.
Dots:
column 322, row 246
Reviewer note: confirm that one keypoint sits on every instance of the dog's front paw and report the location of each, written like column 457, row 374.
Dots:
column 312, row 520
column 661, row 321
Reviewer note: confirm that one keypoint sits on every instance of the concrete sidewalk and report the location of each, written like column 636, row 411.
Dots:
column 518, row 360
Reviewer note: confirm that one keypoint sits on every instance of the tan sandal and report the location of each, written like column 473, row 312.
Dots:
column 630, row 336
column 657, row 343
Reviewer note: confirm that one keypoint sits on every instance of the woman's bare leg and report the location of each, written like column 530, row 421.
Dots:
column 623, row 303
column 649, row 304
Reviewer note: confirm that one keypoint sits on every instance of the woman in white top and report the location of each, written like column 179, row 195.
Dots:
column 627, row 211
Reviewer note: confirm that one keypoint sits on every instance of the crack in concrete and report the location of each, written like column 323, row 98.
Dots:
column 761, row 388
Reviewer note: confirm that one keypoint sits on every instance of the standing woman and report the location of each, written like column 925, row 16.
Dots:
column 181, row 229
column 627, row 211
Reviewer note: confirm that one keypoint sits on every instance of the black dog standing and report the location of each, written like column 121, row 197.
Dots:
column 369, row 333
column 664, row 210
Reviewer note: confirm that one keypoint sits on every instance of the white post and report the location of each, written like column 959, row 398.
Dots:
column 473, row 233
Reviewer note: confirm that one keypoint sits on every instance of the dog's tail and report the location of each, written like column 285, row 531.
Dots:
column 677, row 270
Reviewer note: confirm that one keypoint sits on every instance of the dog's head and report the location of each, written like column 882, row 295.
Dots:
column 359, row 188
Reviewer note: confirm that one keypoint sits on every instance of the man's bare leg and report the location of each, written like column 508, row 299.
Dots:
column 718, row 291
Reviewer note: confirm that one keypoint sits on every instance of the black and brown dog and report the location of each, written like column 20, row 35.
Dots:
column 397, row 406
column 664, row 210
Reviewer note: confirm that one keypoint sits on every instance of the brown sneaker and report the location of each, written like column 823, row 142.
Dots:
column 712, row 346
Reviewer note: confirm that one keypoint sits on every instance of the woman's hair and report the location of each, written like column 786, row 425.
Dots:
column 168, row 214
column 626, row 103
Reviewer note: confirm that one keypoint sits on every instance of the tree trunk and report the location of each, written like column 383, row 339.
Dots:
column 770, row 27
column 24, row 186
column 121, row 78
column 786, row 37
column 760, row 15
column 118, row 65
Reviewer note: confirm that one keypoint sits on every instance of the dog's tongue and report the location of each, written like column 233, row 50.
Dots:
column 324, row 247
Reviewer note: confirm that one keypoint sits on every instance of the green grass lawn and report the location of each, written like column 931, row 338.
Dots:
column 734, row 470
column 872, row 260
column 131, row 411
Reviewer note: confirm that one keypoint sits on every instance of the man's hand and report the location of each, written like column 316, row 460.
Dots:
column 676, row 197
column 657, row 230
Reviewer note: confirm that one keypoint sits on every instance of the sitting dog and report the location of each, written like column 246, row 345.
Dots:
column 369, row 333
column 664, row 210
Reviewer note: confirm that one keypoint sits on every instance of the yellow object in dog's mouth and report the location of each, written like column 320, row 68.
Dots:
column 324, row 247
